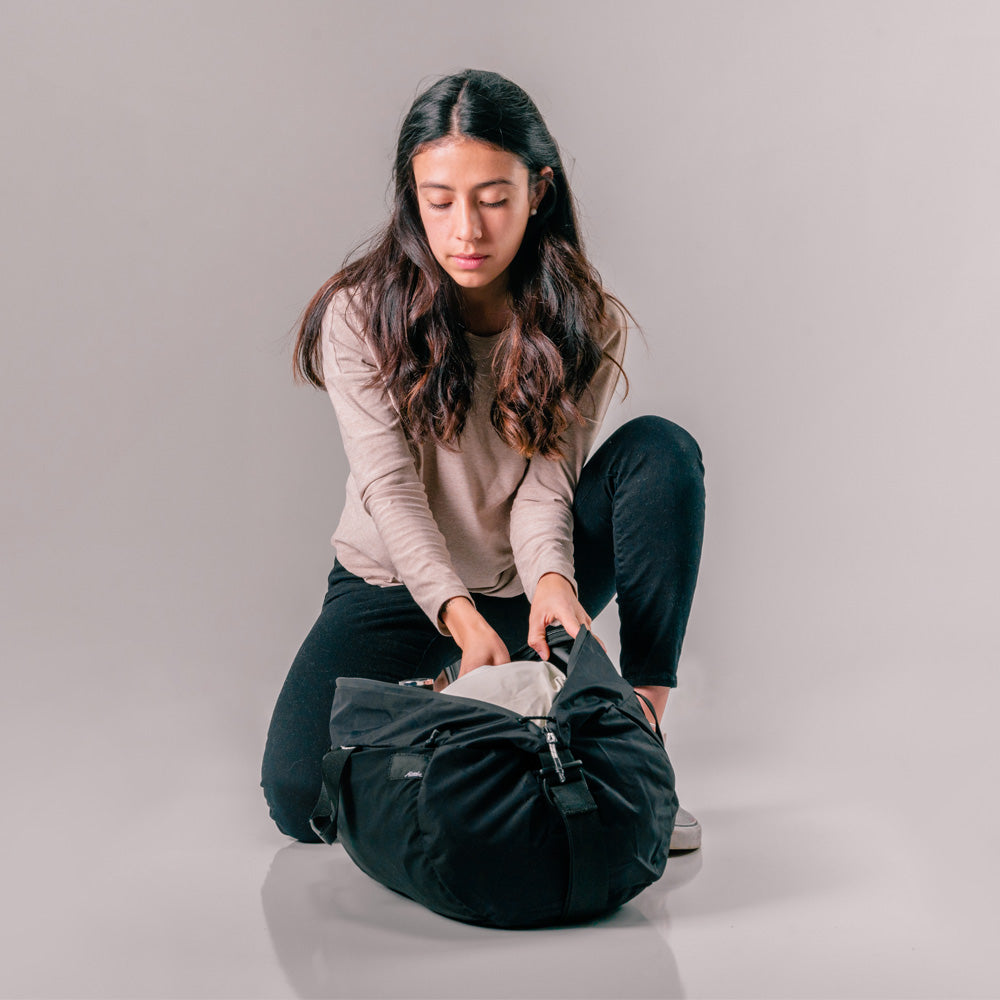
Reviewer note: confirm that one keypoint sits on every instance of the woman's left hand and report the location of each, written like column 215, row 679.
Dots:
column 555, row 601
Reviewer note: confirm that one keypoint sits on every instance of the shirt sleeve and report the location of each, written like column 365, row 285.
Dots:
column 383, row 465
column 541, row 519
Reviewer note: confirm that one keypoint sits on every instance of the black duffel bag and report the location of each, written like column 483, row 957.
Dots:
column 494, row 818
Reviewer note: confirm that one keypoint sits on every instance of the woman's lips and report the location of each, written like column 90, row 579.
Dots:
column 469, row 262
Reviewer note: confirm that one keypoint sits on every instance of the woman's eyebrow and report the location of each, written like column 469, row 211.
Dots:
column 484, row 184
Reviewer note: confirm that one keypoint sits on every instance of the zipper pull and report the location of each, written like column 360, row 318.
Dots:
column 550, row 738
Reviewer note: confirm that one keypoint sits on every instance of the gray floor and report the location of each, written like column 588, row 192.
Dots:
column 846, row 855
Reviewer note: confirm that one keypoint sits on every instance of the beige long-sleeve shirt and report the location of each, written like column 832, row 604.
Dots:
column 482, row 519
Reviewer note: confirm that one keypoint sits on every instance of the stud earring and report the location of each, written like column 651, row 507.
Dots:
column 534, row 211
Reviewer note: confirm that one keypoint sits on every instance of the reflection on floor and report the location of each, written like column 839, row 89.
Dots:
column 320, row 909
column 157, row 873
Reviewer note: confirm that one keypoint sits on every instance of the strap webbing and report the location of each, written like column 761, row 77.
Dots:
column 652, row 712
column 324, row 815
column 587, row 889
column 587, row 894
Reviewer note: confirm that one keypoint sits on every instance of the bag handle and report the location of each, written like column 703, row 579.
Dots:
column 324, row 815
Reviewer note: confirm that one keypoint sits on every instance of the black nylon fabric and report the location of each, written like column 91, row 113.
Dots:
column 473, row 834
column 628, row 770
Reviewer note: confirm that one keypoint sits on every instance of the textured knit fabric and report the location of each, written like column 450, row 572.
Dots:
column 481, row 519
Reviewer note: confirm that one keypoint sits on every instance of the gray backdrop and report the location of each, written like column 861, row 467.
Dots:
column 798, row 201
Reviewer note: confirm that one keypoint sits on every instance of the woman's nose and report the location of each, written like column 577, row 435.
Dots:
column 468, row 224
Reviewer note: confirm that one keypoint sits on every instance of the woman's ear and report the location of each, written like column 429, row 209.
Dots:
column 545, row 177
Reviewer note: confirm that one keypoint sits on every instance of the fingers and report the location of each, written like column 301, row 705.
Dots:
column 489, row 650
column 501, row 655
column 470, row 662
column 536, row 635
column 536, row 640
column 568, row 614
column 573, row 619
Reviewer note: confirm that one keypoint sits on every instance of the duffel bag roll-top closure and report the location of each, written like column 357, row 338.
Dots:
column 566, row 787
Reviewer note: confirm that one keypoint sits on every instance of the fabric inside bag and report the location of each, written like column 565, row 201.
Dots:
column 525, row 686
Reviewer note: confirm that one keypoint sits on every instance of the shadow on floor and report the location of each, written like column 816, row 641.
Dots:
column 338, row 933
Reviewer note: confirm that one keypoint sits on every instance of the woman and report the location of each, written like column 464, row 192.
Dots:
column 470, row 355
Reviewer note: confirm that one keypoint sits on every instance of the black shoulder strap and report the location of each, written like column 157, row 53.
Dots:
column 324, row 815
column 587, row 890
column 652, row 712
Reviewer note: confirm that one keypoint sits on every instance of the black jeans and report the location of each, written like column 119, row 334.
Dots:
column 639, row 515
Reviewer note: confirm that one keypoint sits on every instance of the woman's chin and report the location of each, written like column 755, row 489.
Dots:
column 476, row 281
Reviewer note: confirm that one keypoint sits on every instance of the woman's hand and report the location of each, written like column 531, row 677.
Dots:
column 555, row 601
column 474, row 635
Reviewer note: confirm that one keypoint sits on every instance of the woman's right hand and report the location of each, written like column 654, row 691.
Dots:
column 479, row 642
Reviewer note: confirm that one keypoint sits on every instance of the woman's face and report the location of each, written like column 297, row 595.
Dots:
column 475, row 201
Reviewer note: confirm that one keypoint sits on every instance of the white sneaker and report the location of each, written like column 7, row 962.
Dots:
column 687, row 832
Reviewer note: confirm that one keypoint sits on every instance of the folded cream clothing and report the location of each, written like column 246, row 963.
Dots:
column 447, row 523
column 527, row 687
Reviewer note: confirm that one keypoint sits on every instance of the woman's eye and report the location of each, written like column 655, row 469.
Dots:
column 447, row 204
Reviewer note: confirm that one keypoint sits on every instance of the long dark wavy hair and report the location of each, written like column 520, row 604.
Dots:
column 410, row 308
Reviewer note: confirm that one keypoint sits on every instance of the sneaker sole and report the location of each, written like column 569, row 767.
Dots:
column 686, row 838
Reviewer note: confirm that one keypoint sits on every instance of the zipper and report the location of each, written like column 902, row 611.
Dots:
column 550, row 738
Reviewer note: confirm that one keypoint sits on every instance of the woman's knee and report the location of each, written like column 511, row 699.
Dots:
column 655, row 439
column 291, row 794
